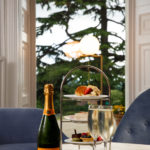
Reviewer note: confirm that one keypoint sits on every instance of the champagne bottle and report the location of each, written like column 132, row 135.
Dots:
column 49, row 133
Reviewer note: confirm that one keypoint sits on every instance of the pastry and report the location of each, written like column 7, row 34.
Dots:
column 95, row 91
column 89, row 90
column 76, row 137
column 83, row 137
column 80, row 90
column 86, row 137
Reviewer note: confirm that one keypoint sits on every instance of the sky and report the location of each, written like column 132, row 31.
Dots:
column 79, row 22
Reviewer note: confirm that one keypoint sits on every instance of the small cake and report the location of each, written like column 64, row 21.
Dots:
column 76, row 137
column 86, row 137
column 83, row 137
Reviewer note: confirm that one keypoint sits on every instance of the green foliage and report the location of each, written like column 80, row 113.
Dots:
column 70, row 108
column 113, row 52
column 117, row 97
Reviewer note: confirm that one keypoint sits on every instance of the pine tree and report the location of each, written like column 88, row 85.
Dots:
column 101, row 12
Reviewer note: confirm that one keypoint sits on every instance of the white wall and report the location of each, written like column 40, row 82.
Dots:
column 137, row 48
column 17, row 53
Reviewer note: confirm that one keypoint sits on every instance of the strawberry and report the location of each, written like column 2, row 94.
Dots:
column 99, row 139
column 84, row 134
column 87, row 91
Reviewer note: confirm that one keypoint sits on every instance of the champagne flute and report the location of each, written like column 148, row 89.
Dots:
column 107, row 124
column 93, row 123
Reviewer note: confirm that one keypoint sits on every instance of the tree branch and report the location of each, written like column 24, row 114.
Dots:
column 113, row 34
column 116, row 22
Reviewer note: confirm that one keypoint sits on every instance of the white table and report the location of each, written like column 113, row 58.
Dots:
column 115, row 146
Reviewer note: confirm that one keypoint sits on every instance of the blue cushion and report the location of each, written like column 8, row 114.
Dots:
column 20, row 146
column 135, row 125
column 19, row 125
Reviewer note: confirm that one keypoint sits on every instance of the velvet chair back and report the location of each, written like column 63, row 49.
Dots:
column 135, row 125
column 19, row 125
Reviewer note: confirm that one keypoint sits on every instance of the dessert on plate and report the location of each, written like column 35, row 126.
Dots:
column 76, row 136
column 89, row 90
column 80, row 90
column 83, row 137
column 86, row 137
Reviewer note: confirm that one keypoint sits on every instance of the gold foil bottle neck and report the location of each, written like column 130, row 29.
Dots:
column 48, row 88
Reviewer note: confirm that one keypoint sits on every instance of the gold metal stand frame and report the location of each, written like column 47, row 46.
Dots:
column 62, row 96
column 101, row 67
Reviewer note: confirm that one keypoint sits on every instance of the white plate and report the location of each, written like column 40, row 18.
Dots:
column 81, row 143
column 86, row 97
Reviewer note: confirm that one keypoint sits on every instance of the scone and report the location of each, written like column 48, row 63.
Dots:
column 80, row 90
column 95, row 91
column 89, row 90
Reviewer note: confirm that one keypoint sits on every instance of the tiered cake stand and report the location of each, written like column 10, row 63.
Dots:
column 80, row 98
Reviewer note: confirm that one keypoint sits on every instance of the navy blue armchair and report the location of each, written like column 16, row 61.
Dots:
column 135, row 125
column 19, row 128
